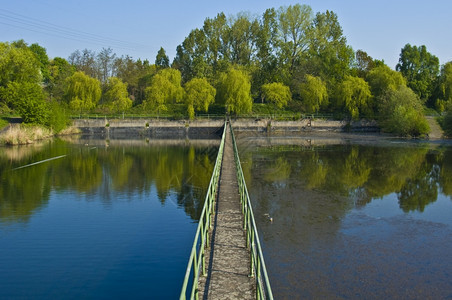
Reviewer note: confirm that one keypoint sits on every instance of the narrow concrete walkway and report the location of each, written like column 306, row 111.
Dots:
column 229, row 261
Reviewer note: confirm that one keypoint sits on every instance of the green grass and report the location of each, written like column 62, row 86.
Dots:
column 3, row 123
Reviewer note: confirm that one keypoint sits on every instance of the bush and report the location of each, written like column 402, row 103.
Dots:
column 58, row 118
column 401, row 113
column 446, row 123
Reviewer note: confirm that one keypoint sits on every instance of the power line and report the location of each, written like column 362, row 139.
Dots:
column 19, row 21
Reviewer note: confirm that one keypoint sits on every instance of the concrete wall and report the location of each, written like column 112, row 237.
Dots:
column 145, row 128
column 152, row 128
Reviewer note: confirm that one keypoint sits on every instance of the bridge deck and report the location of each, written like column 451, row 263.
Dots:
column 229, row 261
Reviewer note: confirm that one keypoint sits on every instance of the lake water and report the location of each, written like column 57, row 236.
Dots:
column 101, row 220
column 352, row 219
column 116, row 219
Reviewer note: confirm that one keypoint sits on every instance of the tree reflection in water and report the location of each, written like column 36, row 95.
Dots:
column 332, row 234
column 172, row 169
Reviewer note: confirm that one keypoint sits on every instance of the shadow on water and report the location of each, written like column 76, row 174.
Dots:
column 352, row 219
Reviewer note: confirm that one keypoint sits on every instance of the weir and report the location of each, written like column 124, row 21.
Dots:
column 226, row 260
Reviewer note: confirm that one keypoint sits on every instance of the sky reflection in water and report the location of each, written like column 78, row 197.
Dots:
column 107, row 221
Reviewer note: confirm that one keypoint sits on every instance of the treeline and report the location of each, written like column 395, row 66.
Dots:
column 288, row 59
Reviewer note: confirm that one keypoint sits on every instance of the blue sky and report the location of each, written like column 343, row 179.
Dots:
column 140, row 27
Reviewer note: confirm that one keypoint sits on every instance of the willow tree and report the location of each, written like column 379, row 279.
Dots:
column 82, row 92
column 115, row 97
column 276, row 93
column 199, row 94
column 382, row 78
column 313, row 93
column 354, row 94
column 234, row 91
column 165, row 88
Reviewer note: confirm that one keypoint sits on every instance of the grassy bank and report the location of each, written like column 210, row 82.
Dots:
column 22, row 135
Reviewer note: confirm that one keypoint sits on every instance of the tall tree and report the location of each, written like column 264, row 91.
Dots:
column 267, row 41
column 294, row 32
column 190, row 57
column 85, row 61
column 41, row 55
column 83, row 92
column 420, row 68
column 330, row 56
column 59, row 70
column 216, row 34
column 363, row 63
column 105, row 61
column 242, row 39
column 162, row 60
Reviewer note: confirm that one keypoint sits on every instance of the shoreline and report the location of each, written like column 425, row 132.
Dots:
column 122, row 129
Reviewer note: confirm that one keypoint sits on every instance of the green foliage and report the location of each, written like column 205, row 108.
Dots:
column 115, row 98
column 41, row 54
column 3, row 123
column 313, row 93
column 382, row 79
column 276, row 93
column 234, row 91
column 165, row 89
column 28, row 99
column 18, row 64
column 58, row 118
column 446, row 121
column 401, row 113
column 354, row 93
column 59, row 71
column 363, row 63
column 420, row 68
column 162, row 60
column 444, row 88
column 329, row 53
column 199, row 94
column 82, row 92
column 295, row 32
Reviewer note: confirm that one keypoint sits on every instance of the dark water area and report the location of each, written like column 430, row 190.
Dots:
column 101, row 220
column 352, row 220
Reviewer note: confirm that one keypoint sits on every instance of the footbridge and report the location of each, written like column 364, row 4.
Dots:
column 226, row 260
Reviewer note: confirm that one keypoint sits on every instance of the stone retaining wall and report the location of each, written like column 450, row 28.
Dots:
column 126, row 128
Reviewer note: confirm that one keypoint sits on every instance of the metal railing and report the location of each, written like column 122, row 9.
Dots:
column 196, row 262
column 257, row 267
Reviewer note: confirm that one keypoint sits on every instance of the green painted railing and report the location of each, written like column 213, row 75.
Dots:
column 257, row 267
column 196, row 264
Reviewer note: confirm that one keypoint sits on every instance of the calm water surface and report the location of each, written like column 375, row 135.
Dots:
column 353, row 221
column 105, row 221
